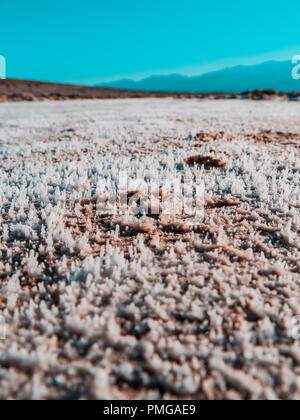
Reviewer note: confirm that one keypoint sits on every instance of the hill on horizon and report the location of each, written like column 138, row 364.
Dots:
column 268, row 75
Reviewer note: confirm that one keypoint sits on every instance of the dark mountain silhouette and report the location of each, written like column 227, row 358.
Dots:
column 269, row 75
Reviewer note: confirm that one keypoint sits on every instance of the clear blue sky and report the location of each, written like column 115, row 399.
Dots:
column 90, row 41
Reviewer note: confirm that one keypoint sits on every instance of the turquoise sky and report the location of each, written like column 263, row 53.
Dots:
column 95, row 41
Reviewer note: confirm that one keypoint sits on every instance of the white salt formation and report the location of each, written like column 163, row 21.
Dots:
column 105, row 305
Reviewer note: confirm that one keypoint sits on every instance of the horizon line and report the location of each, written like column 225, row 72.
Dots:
column 162, row 73
column 106, row 84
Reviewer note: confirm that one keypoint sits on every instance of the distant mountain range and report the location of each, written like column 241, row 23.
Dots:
column 269, row 75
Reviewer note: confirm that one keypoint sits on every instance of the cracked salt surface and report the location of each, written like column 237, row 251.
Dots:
column 109, row 306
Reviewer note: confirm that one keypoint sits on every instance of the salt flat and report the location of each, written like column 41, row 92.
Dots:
column 104, row 305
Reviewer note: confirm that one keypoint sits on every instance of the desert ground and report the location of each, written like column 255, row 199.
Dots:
column 97, row 304
column 14, row 90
